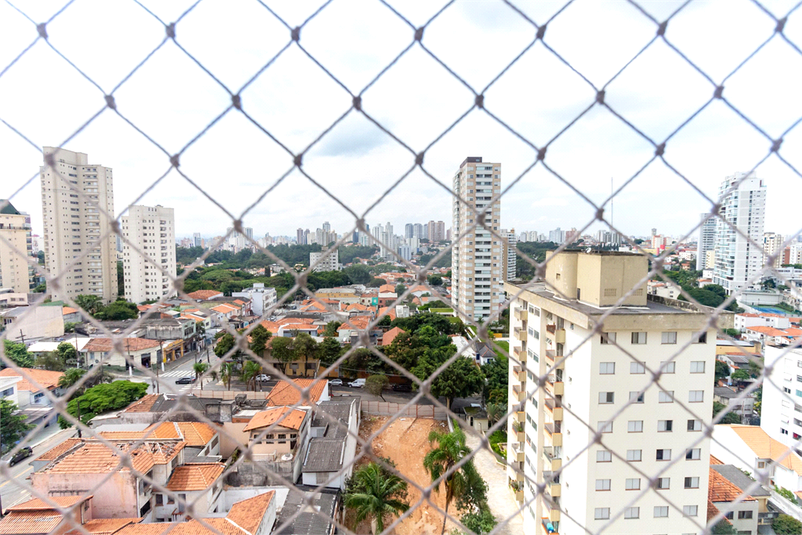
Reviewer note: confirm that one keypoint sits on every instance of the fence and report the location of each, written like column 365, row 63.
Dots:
column 249, row 123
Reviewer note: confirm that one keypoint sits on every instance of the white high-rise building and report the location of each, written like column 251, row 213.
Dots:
column 509, row 256
column 150, row 230
column 706, row 241
column 780, row 416
column 331, row 262
column 72, row 191
column 15, row 246
column 197, row 240
column 743, row 205
column 589, row 379
column 477, row 255
column 773, row 244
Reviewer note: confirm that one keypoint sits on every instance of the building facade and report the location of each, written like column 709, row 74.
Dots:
column 329, row 262
column 590, row 376
column 73, row 194
column 15, row 245
column 476, row 254
column 773, row 245
column 148, row 230
column 509, row 256
column 706, row 242
column 743, row 205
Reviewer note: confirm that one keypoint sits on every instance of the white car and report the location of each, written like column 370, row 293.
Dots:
column 359, row 383
column 263, row 378
column 335, row 382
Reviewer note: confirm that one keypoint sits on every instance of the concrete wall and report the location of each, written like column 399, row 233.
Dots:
column 114, row 498
column 37, row 322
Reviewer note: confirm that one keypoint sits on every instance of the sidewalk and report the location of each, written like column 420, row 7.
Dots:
column 499, row 496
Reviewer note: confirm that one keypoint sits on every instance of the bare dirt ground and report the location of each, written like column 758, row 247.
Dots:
column 406, row 442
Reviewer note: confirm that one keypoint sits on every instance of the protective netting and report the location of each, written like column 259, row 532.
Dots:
column 477, row 103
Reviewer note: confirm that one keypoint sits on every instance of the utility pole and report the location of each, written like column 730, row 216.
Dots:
column 22, row 336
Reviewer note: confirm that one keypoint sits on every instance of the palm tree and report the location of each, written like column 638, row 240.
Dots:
column 226, row 371
column 70, row 377
column 250, row 371
column 495, row 412
column 449, row 451
column 200, row 368
column 376, row 494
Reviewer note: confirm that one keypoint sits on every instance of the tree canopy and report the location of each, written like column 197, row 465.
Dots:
column 103, row 398
column 13, row 425
column 17, row 352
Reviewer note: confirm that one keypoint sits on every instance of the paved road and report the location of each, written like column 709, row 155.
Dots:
column 10, row 493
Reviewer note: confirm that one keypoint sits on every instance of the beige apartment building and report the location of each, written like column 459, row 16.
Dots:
column 73, row 190
column 477, row 257
column 590, row 375
column 15, row 230
column 148, row 230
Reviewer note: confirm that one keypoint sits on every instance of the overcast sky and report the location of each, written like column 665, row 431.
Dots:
column 172, row 99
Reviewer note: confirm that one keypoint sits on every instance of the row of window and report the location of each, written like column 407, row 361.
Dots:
column 640, row 338
column 664, row 396
column 660, row 511
column 663, row 483
column 608, row 368
column 606, row 456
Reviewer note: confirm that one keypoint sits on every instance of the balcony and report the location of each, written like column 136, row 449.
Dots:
column 767, row 518
column 520, row 314
column 518, row 428
column 519, row 373
column 555, row 385
column 520, row 353
column 554, row 430
column 552, row 463
column 520, row 334
column 518, row 451
column 520, row 393
column 544, row 523
column 555, row 408
column 518, row 488
column 555, row 333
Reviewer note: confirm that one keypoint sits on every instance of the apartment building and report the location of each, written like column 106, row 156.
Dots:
column 773, row 244
column 476, row 257
column 73, row 194
column 781, row 407
column 148, row 253
column 509, row 263
column 15, row 246
column 706, row 242
column 743, row 206
column 329, row 262
column 583, row 392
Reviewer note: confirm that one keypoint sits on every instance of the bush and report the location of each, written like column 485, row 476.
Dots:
column 786, row 525
column 787, row 494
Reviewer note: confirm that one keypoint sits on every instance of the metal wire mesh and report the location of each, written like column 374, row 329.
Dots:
column 478, row 103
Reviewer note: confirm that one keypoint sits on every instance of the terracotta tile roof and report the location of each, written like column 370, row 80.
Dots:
column 143, row 405
column 715, row 460
column 771, row 331
column 290, row 418
column 203, row 295
column 722, row 489
column 387, row 311
column 45, row 378
column 357, row 322
column 300, row 323
column 68, row 310
column 390, row 335
column 766, row 447
column 224, row 308
column 248, row 514
column 192, row 477
column 105, row 526
column 54, row 452
column 285, row 394
column 420, row 288
column 131, row 344
column 195, row 434
column 30, row 522
column 36, row 504
column 97, row 458
column 193, row 527
column 239, row 301
column 356, row 306
column 156, row 528
column 712, row 511
column 386, row 288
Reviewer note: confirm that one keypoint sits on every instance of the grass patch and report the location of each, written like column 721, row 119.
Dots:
column 502, row 346
column 441, row 310
column 496, row 439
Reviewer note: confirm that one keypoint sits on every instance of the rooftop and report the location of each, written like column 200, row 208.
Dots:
column 306, row 522
column 103, row 345
column 204, row 294
column 740, row 480
column 766, row 447
column 44, row 378
column 105, row 526
column 285, row 416
column 195, row 434
column 94, row 457
column 285, row 393
column 723, row 490
column 193, row 477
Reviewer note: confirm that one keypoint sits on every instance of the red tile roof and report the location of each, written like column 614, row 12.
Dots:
column 30, row 522
column 105, row 526
column 37, row 504
column 390, row 335
column 248, row 514
column 357, row 322
column 194, row 477
column 285, row 394
column 45, row 378
column 97, row 458
column 203, row 295
column 722, row 489
column 285, row 416
column 143, row 405
column 103, row 345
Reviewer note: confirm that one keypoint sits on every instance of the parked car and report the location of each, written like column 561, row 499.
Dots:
column 263, row 378
column 185, row 380
column 402, row 387
column 23, row 453
column 335, row 382
column 359, row 383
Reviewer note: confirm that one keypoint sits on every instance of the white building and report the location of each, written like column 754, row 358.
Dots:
column 594, row 382
column 773, row 244
column 747, row 320
column 330, row 262
column 73, row 193
column 477, row 255
column 261, row 298
column 150, row 230
column 781, row 408
column 509, row 256
column 743, row 205
column 15, row 249
column 706, row 242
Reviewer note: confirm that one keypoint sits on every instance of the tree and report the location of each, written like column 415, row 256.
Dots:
column 724, row 527
column 70, row 377
column 740, row 375
column 495, row 412
column 449, row 450
column 376, row 282
column 480, row 523
column 329, row 351
column 331, row 328
column 103, row 398
column 226, row 344
column 259, row 338
column 375, row 384
column 200, row 368
column 89, row 303
column 249, row 373
column 462, row 378
column 118, row 310
column 50, row 361
column 722, row 370
column 400, row 289
column 495, row 388
column 67, row 353
column 786, row 525
column 474, row 497
column 18, row 354
column 305, row 347
column 226, row 371
column 13, row 425
column 120, row 278
column 735, row 333
column 435, row 280
column 282, row 350
column 729, row 418
column 376, row 494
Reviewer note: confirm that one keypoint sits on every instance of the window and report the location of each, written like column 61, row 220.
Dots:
column 702, row 339
column 665, row 426
column 634, row 456
column 638, row 338
column 606, row 397
column 632, row 512
column 636, row 397
column 601, row 513
column 691, row 482
column 697, row 366
column 159, row 499
column 693, row 454
column 691, row 510
column 696, row 396
column 666, row 396
column 605, row 427
column 668, row 367
column 663, row 455
column 783, row 431
column 635, row 426
column 664, row 483
column 633, row 484
column 744, row 515
column 607, row 368
column 669, row 338
column 602, row 484
column 661, row 511
column 604, row 456
column 608, row 338
column 694, row 425
column 637, row 367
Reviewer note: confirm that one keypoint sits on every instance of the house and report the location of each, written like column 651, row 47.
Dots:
column 31, row 393
column 196, row 483
column 350, row 329
column 32, row 323
column 387, row 295
column 744, row 321
column 104, row 526
column 276, row 437
column 725, row 496
column 38, row 517
column 750, row 448
column 743, row 407
column 140, row 350
column 42, row 347
column 296, row 518
column 288, row 327
column 286, row 394
column 748, row 486
column 328, row 456
column 202, row 440
column 389, row 336
column 261, row 297
column 71, row 315
column 771, row 336
column 8, row 388
column 204, row 295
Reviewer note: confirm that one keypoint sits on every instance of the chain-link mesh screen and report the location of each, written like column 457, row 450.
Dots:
column 268, row 107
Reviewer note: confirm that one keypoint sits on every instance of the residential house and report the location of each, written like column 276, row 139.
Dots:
column 196, row 483
column 104, row 526
column 140, row 350
column 8, row 388
column 349, row 331
column 289, row 327
column 748, row 486
column 262, row 298
column 31, row 393
column 202, row 440
column 38, row 517
column 286, row 394
column 71, row 315
column 42, row 347
column 741, row 511
column 329, row 454
column 204, row 295
column 771, row 336
column 747, row 320
column 387, row 295
column 32, row 323
column 743, row 407
column 276, row 437
column 297, row 518
column 389, row 336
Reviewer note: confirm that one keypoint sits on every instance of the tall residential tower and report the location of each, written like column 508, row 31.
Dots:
column 16, row 245
column 151, row 231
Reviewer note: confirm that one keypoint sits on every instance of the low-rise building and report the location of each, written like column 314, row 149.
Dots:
column 261, row 297
column 771, row 336
column 143, row 351
column 35, row 405
column 328, row 456
column 37, row 517
column 746, row 320
column 32, row 323
column 202, row 441
column 740, row 510
column 742, row 406
column 196, row 483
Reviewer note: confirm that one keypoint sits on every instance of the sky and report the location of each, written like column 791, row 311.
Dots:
column 240, row 159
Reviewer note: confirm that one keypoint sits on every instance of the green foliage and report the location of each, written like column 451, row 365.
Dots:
column 376, row 494
column 786, row 525
column 358, row 274
column 70, row 377
column 331, row 328
column 473, row 499
column 444, row 262
column 400, row 289
column 249, row 373
column 375, row 384
column 435, row 280
column 70, row 326
column 735, row 333
column 259, row 338
column 785, row 493
column 200, row 368
column 723, row 527
column 118, row 310
column 729, row 418
column 497, row 373
column 226, row 344
column 480, row 523
column 329, row 350
column 462, row 378
column 722, row 370
column 50, row 361
column 120, row 278
column 103, row 398
column 18, row 353
column 91, row 304
column 740, row 375
column 495, row 412
column 375, row 283
column 13, row 425
column 535, row 250
column 281, row 349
